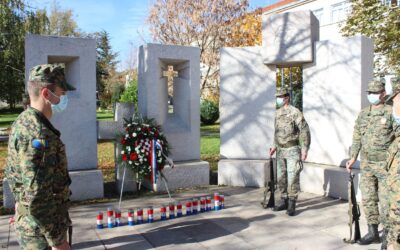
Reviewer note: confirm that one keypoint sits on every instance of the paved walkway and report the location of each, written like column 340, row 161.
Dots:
column 320, row 223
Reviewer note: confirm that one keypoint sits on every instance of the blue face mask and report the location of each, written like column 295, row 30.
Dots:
column 61, row 105
column 279, row 101
column 395, row 117
column 374, row 99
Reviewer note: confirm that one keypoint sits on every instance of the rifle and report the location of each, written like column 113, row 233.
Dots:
column 270, row 188
column 354, row 213
column 70, row 235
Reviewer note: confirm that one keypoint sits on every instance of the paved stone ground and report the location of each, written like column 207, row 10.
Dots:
column 320, row 223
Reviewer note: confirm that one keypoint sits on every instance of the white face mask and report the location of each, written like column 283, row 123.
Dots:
column 374, row 99
column 61, row 105
column 279, row 101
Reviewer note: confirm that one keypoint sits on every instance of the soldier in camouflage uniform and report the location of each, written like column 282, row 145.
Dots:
column 374, row 131
column 36, row 165
column 291, row 142
column 393, row 178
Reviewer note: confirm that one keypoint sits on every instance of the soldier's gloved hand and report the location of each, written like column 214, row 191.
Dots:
column 349, row 164
column 304, row 154
column 63, row 246
column 272, row 151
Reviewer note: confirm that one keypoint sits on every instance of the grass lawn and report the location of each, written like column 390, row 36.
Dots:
column 104, row 115
column 7, row 116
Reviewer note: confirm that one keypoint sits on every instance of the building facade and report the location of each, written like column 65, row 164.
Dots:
column 331, row 14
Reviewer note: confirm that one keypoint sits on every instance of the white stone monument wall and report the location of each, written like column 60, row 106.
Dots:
column 77, row 123
column 182, row 128
column 288, row 37
column 247, row 104
column 333, row 95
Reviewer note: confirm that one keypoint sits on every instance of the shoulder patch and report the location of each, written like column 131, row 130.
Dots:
column 40, row 143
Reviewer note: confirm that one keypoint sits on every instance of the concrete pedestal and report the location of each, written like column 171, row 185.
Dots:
column 130, row 184
column 79, row 187
column 319, row 179
column 184, row 175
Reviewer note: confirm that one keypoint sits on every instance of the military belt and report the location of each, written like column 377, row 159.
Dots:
column 289, row 144
column 376, row 156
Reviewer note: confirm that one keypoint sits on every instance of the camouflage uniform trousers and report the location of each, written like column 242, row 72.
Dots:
column 31, row 242
column 288, row 172
column 393, row 186
column 28, row 233
column 374, row 192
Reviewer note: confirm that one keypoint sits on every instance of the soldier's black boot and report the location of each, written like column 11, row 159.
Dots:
column 291, row 208
column 371, row 237
column 282, row 205
column 384, row 241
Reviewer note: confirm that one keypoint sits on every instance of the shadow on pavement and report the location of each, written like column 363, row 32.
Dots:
column 195, row 231
column 316, row 203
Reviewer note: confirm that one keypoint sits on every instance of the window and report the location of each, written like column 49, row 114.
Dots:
column 340, row 11
column 391, row 2
column 318, row 14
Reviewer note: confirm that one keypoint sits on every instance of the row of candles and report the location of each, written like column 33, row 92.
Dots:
column 192, row 207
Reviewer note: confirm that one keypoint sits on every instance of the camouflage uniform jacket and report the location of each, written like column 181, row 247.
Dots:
column 374, row 131
column 291, row 128
column 393, row 187
column 38, row 177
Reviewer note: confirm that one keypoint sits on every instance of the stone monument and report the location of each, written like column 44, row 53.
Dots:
column 159, row 64
column 77, row 123
column 335, row 76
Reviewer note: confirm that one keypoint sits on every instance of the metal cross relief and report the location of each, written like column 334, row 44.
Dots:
column 170, row 73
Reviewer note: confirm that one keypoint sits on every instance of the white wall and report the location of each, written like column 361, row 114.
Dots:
column 77, row 123
column 247, row 104
column 333, row 95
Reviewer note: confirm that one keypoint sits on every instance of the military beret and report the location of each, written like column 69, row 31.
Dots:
column 376, row 85
column 395, row 81
column 50, row 73
column 282, row 91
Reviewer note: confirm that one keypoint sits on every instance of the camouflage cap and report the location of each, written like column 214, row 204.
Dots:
column 50, row 73
column 395, row 81
column 282, row 92
column 376, row 85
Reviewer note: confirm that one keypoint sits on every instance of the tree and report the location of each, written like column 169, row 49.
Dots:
column 15, row 21
column 246, row 30
column 105, row 65
column 130, row 94
column 202, row 23
column 381, row 23
column 61, row 22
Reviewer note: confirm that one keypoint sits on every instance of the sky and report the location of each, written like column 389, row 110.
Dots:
column 124, row 20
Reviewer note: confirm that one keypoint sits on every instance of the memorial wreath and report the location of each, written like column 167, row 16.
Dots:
column 142, row 145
